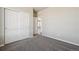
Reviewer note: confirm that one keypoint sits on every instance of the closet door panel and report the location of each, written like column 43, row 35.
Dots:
column 16, row 26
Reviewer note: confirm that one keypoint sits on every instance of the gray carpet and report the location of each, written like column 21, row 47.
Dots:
column 39, row 43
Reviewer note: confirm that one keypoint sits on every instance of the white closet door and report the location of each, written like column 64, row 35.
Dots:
column 16, row 26
column 24, row 25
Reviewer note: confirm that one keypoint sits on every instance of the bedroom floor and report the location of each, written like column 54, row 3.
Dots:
column 39, row 43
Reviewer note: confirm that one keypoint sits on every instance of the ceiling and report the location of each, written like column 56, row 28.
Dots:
column 39, row 8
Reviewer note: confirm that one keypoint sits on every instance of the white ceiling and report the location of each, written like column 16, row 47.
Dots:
column 39, row 8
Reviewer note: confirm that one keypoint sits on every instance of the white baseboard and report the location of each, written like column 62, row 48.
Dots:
column 67, row 41
column 1, row 45
column 17, row 40
column 63, row 40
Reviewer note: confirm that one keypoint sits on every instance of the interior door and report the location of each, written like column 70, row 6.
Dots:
column 16, row 26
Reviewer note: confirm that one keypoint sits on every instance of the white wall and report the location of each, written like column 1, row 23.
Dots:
column 61, row 23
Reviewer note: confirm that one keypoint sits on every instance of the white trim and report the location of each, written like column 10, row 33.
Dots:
column 63, row 40
column 67, row 41
column 1, row 45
